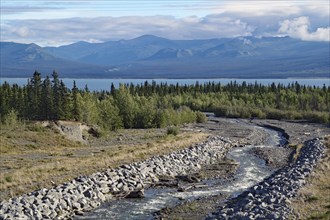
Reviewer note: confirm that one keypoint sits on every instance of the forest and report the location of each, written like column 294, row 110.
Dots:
column 152, row 105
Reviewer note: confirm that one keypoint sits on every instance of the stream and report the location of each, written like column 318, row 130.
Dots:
column 251, row 171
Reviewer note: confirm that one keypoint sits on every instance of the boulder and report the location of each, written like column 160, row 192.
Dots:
column 138, row 194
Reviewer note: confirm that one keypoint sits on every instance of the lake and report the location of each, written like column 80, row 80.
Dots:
column 104, row 84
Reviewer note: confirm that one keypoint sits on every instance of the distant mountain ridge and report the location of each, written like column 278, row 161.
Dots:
column 150, row 56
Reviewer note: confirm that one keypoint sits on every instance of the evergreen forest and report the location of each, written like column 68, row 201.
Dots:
column 152, row 105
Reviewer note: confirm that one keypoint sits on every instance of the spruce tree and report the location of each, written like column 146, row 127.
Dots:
column 35, row 95
column 46, row 105
column 75, row 107
column 56, row 96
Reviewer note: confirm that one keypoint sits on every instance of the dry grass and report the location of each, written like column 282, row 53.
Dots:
column 296, row 151
column 313, row 201
column 30, row 138
column 54, row 160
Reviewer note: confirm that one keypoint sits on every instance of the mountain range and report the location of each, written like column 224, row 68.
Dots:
column 150, row 56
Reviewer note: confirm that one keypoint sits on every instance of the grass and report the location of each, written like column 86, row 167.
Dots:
column 29, row 165
column 173, row 131
column 296, row 151
column 27, row 138
column 313, row 201
column 8, row 178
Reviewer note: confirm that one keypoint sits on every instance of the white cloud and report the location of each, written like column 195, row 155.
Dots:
column 23, row 32
column 299, row 28
column 260, row 8
column 96, row 21
column 109, row 28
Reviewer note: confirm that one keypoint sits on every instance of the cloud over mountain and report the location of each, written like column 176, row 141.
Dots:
column 63, row 22
column 299, row 28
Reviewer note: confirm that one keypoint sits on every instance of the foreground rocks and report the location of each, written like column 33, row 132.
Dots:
column 270, row 198
column 274, row 157
column 88, row 192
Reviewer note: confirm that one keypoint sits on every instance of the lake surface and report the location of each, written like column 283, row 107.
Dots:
column 104, row 84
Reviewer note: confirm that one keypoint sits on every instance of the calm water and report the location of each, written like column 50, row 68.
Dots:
column 104, row 84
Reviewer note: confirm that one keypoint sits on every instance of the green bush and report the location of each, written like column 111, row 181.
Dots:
column 257, row 113
column 275, row 114
column 11, row 119
column 318, row 117
column 186, row 115
column 221, row 111
column 173, row 130
column 201, row 117
column 36, row 128
column 9, row 179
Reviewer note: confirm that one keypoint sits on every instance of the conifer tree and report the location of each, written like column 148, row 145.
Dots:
column 75, row 107
column 56, row 96
column 46, row 104
column 35, row 95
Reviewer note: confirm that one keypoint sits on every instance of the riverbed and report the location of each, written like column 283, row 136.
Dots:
column 251, row 171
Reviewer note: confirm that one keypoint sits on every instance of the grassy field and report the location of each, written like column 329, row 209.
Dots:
column 313, row 201
column 34, row 157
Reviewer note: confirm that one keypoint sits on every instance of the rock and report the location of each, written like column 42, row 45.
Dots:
column 86, row 192
column 136, row 194
column 270, row 198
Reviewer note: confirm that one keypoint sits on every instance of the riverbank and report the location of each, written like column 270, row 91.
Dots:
column 270, row 198
column 313, row 200
column 87, row 192
column 239, row 134
column 297, row 133
column 34, row 157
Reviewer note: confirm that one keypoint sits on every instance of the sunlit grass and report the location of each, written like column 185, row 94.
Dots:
column 313, row 201
column 29, row 165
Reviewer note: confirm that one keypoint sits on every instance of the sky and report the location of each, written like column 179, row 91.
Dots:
column 60, row 22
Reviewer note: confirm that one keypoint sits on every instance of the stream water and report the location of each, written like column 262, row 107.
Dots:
column 251, row 171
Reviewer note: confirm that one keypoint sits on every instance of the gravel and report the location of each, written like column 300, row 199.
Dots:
column 88, row 192
column 270, row 199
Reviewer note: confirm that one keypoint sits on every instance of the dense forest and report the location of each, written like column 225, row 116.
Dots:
column 152, row 105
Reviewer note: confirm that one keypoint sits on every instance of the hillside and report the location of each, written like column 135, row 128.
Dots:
column 154, row 57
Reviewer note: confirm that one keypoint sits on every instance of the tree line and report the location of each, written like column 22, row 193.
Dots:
column 50, row 99
column 150, row 105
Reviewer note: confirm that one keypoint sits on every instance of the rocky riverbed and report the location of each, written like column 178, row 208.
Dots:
column 87, row 192
column 270, row 199
column 274, row 157
column 296, row 132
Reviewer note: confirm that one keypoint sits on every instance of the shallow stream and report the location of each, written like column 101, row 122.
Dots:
column 251, row 171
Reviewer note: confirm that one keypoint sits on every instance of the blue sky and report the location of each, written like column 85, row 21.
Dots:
column 67, row 21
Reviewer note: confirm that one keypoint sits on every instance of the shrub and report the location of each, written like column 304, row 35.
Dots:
column 11, row 119
column 186, row 115
column 318, row 117
column 172, row 130
column 257, row 113
column 275, row 114
column 36, row 128
column 96, row 132
column 221, row 111
column 9, row 179
column 201, row 117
